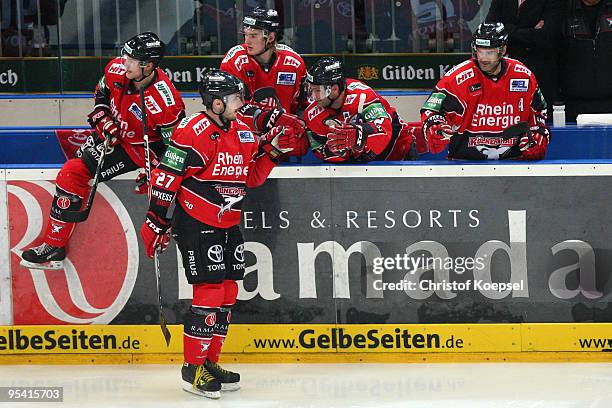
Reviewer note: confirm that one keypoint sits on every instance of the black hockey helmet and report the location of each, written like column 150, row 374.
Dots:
column 326, row 71
column 218, row 84
column 262, row 19
column 489, row 35
column 145, row 47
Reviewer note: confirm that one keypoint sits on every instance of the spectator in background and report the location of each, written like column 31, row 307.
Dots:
column 533, row 32
column 17, row 21
column 50, row 13
column 33, row 37
column 319, row 26
column 587, row 57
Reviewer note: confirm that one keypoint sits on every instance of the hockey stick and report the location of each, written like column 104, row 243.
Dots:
column 360, row 105
column 162, row 317
column 81, row 215
column 360, row 138
column 515, row 130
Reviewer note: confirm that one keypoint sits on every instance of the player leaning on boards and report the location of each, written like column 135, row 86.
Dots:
column 116, row 116
column 273, row 74
column 348, row 121
column 212, row 158
column 489, row 107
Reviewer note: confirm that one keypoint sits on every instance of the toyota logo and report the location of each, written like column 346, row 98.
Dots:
column 239, row 253
column 215, row 253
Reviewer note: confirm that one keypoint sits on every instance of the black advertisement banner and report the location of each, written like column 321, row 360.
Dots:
column 368, row 250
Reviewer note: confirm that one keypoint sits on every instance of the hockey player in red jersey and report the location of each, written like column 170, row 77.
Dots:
column 489, row 107
column 273, row 74
column 212, row 158
column 116, row 115
column 349, row 122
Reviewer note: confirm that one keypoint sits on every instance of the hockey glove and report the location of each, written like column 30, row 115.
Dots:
column 269, row 118
column 278, row 141
column 437, row 133
column 154, row 233
column 347, row 137
column 534, row 149
column 102, row 120
column 142, row 184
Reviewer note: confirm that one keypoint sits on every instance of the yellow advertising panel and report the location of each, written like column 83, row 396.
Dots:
column 88, row 339
column 567, row 337
column 388, row 338
column 435, row 342
column 266, row 338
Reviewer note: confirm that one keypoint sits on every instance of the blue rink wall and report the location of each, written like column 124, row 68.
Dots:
column 537, row 235
column 36, row 146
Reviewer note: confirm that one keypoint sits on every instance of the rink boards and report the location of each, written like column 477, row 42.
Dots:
column 336, row 268
column 314, row 343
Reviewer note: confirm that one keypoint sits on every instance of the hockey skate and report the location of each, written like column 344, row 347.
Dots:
column 197, row 380
column 43, row 256
column 229, row 380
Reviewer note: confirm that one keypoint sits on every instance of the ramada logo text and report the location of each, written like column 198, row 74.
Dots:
column 100, row 268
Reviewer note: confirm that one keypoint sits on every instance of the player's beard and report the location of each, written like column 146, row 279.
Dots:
column 229, row 116
column 489, row 67
column 324, row 103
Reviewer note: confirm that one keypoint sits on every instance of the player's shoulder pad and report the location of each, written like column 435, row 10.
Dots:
column 460, row 74
column 517, row 67
column 239, row 122
column 183, row 124
column 460, row 67
column 285, row 49
column 312, row 111
column 355, row 85
column 235, row 50
column 114, row 69
column 289, row 56
column 355, row 88
column 191, row 127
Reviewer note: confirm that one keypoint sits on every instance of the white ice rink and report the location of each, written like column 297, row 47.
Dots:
column 461, row 385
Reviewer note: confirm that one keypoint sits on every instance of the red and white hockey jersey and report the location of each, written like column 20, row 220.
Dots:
column 280, row 84
column 163, row 102
column 388, row 137
column 480, row 108
column 207, row 169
